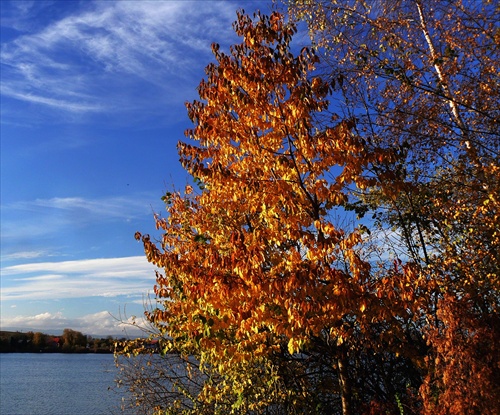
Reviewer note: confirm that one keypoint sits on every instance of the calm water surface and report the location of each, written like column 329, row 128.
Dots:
column 58, row 384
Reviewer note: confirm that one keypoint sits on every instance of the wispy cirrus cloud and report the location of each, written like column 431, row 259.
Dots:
column 109, row 207
column 27, row 255
column 106, row 46
column 58, row 103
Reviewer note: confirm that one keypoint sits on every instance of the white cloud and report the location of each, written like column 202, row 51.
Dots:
column 48, row 316
column 48, row 277
column 106, row 277
column 89, row 266
column 109, row 45
column 104, row 323
column 37, row 321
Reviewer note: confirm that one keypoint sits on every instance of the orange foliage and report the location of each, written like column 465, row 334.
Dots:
column 463, row 365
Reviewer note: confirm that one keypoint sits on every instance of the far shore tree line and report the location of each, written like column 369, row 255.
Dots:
column 70, row 341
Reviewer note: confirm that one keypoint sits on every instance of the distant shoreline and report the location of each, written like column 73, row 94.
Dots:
column 69, row 342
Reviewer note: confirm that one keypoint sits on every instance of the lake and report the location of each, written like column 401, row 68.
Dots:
column 58, row 384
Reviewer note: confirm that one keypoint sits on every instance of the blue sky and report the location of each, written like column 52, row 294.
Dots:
column 92, row 107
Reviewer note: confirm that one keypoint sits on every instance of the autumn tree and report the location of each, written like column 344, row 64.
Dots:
column 73, row 340
column 39, row 340
column 284, row 309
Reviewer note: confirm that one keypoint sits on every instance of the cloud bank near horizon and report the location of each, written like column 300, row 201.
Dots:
column 101, row 323
column 117, row 281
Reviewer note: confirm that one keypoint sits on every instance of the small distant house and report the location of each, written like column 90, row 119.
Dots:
column 53, row 342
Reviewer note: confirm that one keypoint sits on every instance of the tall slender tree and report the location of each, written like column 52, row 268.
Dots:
column 424, row 79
